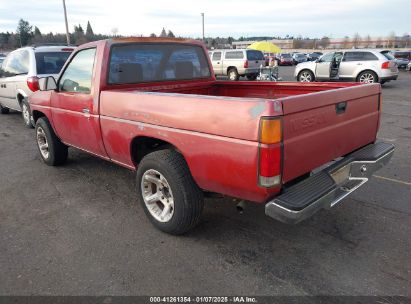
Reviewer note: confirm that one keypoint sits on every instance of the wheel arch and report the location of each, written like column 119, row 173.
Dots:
column 140, row 146
column 37, row 114
column 367, row 70
column 231, row 67
column 306, row 69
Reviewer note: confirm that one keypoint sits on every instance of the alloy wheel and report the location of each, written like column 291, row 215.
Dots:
column 42, row 142
column 157, row 195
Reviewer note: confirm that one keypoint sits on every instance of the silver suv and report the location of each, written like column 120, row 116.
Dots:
column 20, row 72
column 366, row 66
column 236, row 63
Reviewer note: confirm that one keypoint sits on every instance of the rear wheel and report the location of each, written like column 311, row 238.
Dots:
column 4, row 110
column 367, row 77
column 52, row 151
column 233, row 74
column 305, row 76
column 25, row 112
column 167, row 191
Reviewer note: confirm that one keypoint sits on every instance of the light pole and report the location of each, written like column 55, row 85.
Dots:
column 65, row 19
column 202, row 17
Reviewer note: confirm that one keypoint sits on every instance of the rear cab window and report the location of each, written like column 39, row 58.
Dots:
column 254, row 55
column 216, row 56
column 152, row 62
column 50, row 62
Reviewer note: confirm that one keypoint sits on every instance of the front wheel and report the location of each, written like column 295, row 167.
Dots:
column 25, row 112
column 4, row 110
column 305, row 76
column 367, row 77
column 52, row 151
column 168, row 193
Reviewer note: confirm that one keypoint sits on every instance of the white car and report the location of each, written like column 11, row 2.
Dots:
column 366, row 66
column 409, row 67
column 20, row 72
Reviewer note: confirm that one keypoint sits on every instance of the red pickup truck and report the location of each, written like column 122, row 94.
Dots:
column 153, row 105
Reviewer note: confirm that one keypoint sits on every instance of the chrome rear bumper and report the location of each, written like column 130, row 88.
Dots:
column 329, row 186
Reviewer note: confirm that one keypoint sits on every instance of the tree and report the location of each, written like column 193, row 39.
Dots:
column 89, row 31
column 78, row 35
column 170, row 34
column 24, row 32
column 324, row 42
column 391, row 40
column 37, row 36
column 163, row 33
column 367, row 41
column 356, row 40
column 153, row 35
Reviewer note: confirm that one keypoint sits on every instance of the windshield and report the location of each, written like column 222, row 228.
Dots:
column 50, row 62
column 286, row 55
column 139, row 62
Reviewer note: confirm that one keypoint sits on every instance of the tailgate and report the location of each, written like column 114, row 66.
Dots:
column 320, row 127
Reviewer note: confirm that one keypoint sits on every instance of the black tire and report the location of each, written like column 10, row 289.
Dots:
column 232, row 74
column 57, row 151
column 4, row 110
column 187, row 197
column 367, row 75
column 26, row 114
column 252, row 77
column 305, row 76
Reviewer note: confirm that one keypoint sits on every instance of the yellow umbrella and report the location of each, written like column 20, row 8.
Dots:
column 265, row 46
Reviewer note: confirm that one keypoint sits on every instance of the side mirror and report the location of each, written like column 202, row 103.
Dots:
column 47, row 83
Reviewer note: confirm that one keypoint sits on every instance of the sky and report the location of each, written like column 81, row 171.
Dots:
column 236, row 18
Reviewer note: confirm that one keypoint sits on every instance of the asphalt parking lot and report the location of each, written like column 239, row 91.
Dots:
column 78, row 230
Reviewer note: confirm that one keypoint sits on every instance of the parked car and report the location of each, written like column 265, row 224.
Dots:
column 402, row 55
column 21, row 71
column 153, row 105
column 236, row 63
column 354, row 65
column 299, row 57
column 285, row 59
column 2, row 56
column 269, row 57
column 402, row 62
column 408, row 67
column 314, row 56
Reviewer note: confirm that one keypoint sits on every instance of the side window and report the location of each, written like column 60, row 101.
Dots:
column 234, row 55
column 217, row 56
column 16, row 63
column 367, row 56
column 327, row 57
column 78, row 75
column 353, row 56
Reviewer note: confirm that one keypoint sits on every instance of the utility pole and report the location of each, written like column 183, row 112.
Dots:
column 65, row 19
column 202, row 17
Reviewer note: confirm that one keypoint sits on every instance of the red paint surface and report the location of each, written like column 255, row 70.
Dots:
column 214, row 124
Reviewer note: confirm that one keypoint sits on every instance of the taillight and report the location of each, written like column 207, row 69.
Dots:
column 246, row 64
column 33, row 83
column 269, row 162
column 385, row 65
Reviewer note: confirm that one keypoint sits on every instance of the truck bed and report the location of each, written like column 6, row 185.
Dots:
column 321, row 122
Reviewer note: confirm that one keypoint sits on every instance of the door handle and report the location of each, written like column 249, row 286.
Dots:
column 340, row 107
column 86, row 112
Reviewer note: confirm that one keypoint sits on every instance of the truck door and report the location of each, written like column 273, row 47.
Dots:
column 217, row 62
column 322, row 70
column 74, row 112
